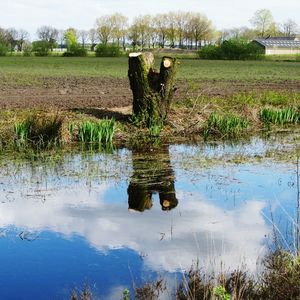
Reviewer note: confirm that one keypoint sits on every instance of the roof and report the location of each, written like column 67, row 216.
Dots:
column 279, row 42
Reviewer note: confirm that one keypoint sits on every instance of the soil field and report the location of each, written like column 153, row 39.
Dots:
column 83, row 92
column 67, row 83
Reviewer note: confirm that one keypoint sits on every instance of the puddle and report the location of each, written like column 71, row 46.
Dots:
column 116, row 221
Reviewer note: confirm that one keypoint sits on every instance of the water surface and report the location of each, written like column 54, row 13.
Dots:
column 119, row 220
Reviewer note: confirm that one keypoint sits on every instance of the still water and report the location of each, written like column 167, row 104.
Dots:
column 119, row 220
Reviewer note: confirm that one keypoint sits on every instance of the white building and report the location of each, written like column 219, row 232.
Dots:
column 279, row 45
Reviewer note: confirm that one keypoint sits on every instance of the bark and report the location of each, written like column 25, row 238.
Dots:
column 152, row 90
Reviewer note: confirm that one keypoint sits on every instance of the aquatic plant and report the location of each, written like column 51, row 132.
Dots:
column 225, row 126
column 101, row 132
column 280, row 117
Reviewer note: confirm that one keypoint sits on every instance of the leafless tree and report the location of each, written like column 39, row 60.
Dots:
column 83, row 36
column 49, row 34
column 290, row 28
column 93, row 38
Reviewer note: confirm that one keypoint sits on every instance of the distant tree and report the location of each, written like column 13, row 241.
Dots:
column 142, row 28
column 71, row 37
column 161, row 25
column 93, row 38
column 290, row 28
column 200, row 28
column 172, row 31
column 23, row 36
column 119, row 28
column 104, row 28
column 61, row 38
column 83, row 36
column 263, row 22
column 48, row 34
column 12, row 38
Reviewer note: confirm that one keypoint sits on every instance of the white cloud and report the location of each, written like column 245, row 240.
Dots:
column 166, row 241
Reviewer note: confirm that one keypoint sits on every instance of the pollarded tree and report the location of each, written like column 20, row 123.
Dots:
column 263, row 22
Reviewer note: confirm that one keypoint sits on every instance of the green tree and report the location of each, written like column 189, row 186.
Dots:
column 263, row 22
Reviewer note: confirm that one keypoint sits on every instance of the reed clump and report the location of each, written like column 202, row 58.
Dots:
column 280, row 117
column 230, row 126
column 101, row 132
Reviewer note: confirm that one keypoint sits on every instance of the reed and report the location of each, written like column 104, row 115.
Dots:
column 280, row 117
column 225, row 126
column 101, row 132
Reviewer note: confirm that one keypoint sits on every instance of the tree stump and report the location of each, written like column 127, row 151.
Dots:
column 152, row 90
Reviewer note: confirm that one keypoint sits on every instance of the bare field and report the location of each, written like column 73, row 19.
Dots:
column 67, row 83
column 74, row 92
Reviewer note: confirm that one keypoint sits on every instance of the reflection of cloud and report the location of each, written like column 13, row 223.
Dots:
column 165, row 240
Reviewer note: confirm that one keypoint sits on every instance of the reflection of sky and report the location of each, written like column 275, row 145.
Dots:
column 81, row 230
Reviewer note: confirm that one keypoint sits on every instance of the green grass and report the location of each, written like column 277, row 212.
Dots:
column 30, row 69
column 230, row 126
column 280, row 117
column 38, row 130
column 101, row 132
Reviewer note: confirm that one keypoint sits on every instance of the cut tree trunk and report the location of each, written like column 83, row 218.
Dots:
column 152, row 90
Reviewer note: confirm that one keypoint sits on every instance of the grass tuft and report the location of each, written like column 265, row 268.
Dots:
column 280, row 117
column 38, row 130
column 230, row 126
column 101, row 132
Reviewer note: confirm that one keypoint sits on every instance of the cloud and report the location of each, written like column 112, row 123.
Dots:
column 166, row 241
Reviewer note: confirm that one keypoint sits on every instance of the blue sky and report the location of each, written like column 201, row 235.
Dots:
column 30, row 14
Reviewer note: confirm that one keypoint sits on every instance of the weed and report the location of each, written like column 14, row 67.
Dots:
column 221, row 293
column 150, row 291
column 126, row 294
column 280, row 117
column 155, row 127
column 225, row 126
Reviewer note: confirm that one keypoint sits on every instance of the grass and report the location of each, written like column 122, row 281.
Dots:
column 100, row 132
column 280, row 117
column 279, row 280
column 230, row 126
column 38, row 130
column 32, row 69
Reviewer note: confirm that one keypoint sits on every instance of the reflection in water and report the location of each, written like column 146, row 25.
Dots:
column 71, row 224
column 152, row 172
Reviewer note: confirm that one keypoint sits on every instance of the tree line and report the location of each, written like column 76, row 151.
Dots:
column 186, row 30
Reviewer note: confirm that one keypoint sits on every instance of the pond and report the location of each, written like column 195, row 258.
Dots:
column 117, row 221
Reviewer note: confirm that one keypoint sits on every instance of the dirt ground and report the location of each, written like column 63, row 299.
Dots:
column 71, row 93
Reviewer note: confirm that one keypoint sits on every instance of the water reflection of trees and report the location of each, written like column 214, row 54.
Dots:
column 152, row 173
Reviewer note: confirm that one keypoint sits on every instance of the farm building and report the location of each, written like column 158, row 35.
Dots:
column 279, row 45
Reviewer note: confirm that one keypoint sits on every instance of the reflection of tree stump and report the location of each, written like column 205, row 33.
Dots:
column 152, row 90
column 152, row 172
